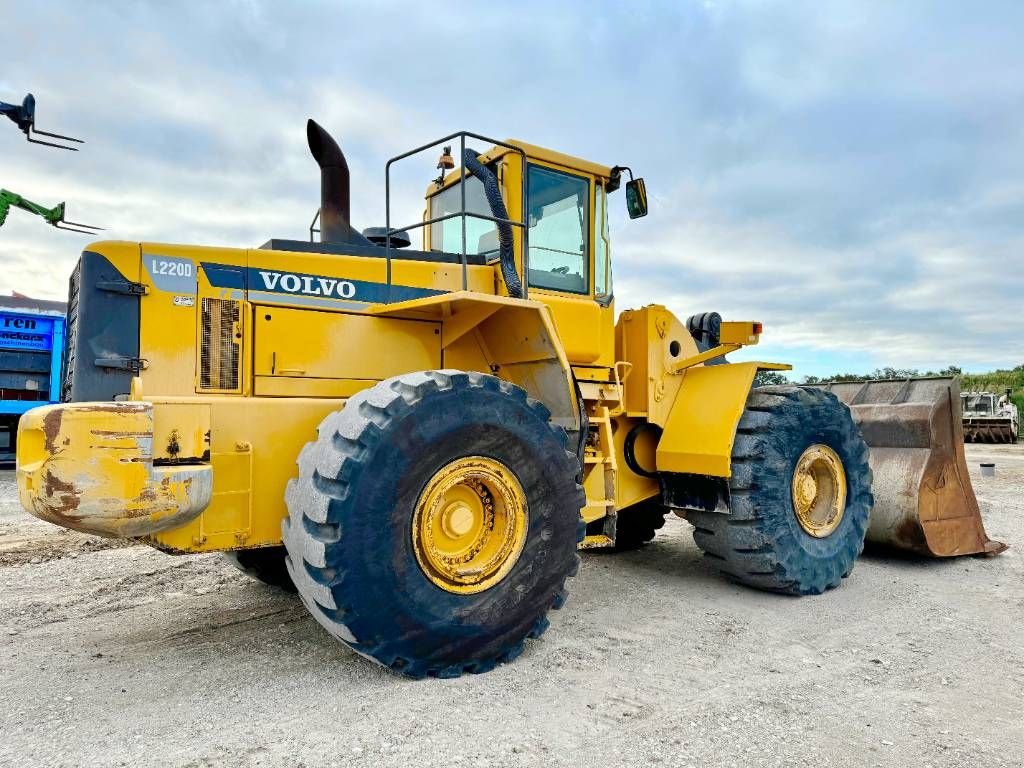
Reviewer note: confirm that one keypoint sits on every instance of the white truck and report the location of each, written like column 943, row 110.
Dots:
column 989, row 418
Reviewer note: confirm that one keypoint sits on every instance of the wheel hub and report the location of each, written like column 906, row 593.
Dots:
column 469, row 525
column 807, row 490
column 457, row 519
column 819, row 490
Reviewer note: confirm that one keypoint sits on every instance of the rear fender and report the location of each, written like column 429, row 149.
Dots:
column 514, row 339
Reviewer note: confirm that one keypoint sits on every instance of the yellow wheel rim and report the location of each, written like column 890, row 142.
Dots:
column 819, row 490
column 469, row 526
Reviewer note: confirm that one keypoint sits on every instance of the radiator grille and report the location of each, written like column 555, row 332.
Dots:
column 218, row 363
column 70, row 334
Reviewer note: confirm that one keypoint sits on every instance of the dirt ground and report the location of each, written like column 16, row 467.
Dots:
column 112, row 654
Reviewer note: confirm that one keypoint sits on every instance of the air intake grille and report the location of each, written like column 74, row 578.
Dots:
column 71, row 333
column 218, row 364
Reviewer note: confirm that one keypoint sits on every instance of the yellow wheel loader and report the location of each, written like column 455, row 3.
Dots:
column 419, row 441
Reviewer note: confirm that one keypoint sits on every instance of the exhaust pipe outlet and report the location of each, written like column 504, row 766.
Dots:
column 335, row 226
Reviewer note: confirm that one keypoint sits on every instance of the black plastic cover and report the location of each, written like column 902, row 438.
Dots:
column 102, row 327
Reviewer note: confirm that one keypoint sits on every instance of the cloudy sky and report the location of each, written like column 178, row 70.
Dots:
column 850, row 173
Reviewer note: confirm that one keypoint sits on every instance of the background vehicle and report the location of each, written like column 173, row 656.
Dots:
column 31, row 343
column 989, row 418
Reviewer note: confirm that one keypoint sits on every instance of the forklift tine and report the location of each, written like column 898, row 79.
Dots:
column 64, row 225
column 84, row 226
column 57, row 136
column 50, row 143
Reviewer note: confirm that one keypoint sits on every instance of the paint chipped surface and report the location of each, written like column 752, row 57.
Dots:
column 89, row 467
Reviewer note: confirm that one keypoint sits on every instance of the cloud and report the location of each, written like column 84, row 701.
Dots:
column 847, row 172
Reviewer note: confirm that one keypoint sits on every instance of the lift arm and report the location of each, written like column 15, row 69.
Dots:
column 53, row 216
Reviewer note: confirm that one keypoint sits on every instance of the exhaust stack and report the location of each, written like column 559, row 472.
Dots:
column 335, row 226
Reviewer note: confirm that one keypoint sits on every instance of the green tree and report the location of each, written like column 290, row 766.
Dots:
column 770, row 378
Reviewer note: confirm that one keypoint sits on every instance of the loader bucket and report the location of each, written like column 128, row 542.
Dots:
column 924, row 501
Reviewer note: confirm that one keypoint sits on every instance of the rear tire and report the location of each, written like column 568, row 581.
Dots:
column 265, row 564
column 352, row 530
column 762, row 542
column 639, row 524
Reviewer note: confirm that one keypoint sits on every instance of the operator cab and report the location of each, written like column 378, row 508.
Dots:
column 558, row 206
column 538, row 218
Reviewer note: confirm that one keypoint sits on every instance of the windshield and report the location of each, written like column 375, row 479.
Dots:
column 979, row 403
column 481, row 236
column 558, row 220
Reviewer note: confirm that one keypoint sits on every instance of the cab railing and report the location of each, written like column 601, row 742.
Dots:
column 462, row 214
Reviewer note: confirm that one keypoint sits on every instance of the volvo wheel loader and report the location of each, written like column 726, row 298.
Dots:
column 419, row 441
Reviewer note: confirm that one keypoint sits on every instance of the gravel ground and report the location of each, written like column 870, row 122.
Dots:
column 112, row 654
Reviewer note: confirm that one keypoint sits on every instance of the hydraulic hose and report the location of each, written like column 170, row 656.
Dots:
column 493, row 193
column 629, row 448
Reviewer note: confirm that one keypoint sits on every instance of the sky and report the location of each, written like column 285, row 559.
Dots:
column 849, row 173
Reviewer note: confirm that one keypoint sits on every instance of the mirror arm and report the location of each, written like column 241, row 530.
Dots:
column 618, row 169
column 615, row 178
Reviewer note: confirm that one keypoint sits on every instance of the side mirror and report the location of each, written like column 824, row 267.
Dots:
column 636, row 198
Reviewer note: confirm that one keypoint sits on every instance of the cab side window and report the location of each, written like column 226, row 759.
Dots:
column 557, row 207
column 602, row 264
column 481, row 235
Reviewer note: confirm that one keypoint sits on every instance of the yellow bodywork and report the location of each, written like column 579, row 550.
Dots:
column 89, row 467
column 242, row 352
column 698, row 437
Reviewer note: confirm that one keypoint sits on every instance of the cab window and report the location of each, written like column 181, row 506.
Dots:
column 602, row 264
column 481, row 236
column 557, row 207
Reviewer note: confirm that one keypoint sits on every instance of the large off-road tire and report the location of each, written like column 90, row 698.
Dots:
column 638, row 524
column 776, row 539
column 384, row 581
column 265, row 564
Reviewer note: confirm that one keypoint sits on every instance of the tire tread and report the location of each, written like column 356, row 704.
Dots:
column 745, row 544
column 341, row 448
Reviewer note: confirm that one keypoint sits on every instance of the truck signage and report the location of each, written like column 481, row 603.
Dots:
column 34, row 333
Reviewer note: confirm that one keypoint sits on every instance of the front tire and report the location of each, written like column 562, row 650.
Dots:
column 434, row 522
column 800, row 494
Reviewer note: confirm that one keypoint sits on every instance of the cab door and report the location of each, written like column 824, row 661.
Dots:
column 560, row 212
